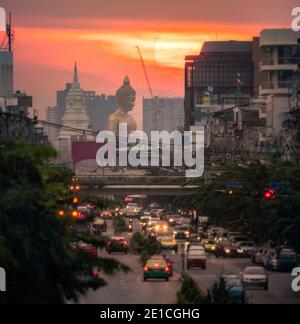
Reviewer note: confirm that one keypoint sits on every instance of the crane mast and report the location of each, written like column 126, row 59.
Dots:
column 145, row 72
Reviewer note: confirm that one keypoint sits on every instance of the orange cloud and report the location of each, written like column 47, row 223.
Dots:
column 106, row 51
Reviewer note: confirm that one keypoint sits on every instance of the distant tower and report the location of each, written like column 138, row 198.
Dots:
column 6, row 61
column 76, row 121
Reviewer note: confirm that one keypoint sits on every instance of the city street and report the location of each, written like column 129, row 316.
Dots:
column 131, row 289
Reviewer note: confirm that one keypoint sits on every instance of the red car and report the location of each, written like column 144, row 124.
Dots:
column 117, row 244
column 196, row 259
column 87, row 248
column 106, row 214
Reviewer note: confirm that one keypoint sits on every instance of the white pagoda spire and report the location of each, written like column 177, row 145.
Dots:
column 75, row 78
column 76, row 114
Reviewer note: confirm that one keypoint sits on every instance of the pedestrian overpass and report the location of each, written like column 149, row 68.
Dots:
column 147, row 190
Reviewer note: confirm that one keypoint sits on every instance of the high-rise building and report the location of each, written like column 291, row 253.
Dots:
column 6, row 62
column 259, row 77
column 221, row 72
column 162, row 113
column 6, row 74
column 280, row 61
column 51, row 128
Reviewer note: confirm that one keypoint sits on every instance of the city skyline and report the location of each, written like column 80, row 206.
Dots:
column 103, row 38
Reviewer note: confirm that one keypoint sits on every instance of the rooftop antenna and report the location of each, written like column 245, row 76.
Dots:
column 8, row 40
column 9, row 32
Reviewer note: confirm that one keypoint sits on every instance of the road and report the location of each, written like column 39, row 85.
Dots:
column 131, row 289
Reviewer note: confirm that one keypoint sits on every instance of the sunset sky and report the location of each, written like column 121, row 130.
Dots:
column 102, row 37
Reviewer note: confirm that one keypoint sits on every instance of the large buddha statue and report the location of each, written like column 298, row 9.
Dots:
column 126, row 96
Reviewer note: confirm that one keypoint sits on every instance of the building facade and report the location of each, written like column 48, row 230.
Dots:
column 51, row 127
column 222, row 71
column 6, row 73
column 163, row 114
column 99, row 107
column 280, row 61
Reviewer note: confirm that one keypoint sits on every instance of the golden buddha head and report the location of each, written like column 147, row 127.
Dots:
column 126, row 96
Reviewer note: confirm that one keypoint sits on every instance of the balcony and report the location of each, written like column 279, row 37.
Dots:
column 273, row 88
column 280, row 64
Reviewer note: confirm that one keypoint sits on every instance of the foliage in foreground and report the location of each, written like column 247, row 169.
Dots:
column 247, row 211
column 35, row 244
column 146, row 247
column 119, row 224
column 190, row 293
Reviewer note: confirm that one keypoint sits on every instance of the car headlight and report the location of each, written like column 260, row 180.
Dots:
column 187, row 233
column 213, row 247
column 227, row 251
column 240, row 250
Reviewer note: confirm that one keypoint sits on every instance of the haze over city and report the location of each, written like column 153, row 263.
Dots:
column 102, row 37
column 149, row 156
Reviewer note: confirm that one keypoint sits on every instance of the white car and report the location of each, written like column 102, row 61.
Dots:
column 196, row 258
column 246, row 249
column 196, row 247
column 255, row 277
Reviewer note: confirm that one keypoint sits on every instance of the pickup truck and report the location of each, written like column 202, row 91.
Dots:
column 196, row 258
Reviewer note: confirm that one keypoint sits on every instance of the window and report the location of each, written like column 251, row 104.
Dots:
column 289, row 54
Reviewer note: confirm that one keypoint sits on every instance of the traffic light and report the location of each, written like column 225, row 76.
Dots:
column 269, row 194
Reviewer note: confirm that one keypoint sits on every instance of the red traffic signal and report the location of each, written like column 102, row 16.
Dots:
column 270, row 194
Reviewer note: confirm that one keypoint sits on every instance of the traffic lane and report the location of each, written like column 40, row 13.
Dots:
column 279, row 292
column 130, row 288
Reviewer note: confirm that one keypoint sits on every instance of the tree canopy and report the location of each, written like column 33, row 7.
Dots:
column 246, row 210
column 35, row 244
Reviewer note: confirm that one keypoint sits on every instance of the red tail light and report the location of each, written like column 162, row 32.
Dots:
column 145, row 269
column 167, row 269
column 125, row 243
column 94, row 273
column 110, row 215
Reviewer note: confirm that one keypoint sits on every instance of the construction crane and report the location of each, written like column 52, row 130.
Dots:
column 145, row 72
column 154, row 102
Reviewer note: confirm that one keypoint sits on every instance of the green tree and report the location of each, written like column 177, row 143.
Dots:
column 247, row 211
column 35, row 244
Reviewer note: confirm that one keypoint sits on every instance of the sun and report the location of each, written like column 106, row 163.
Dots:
column 171, row 49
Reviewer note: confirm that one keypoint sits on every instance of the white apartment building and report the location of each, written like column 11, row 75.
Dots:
column 280, row 60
